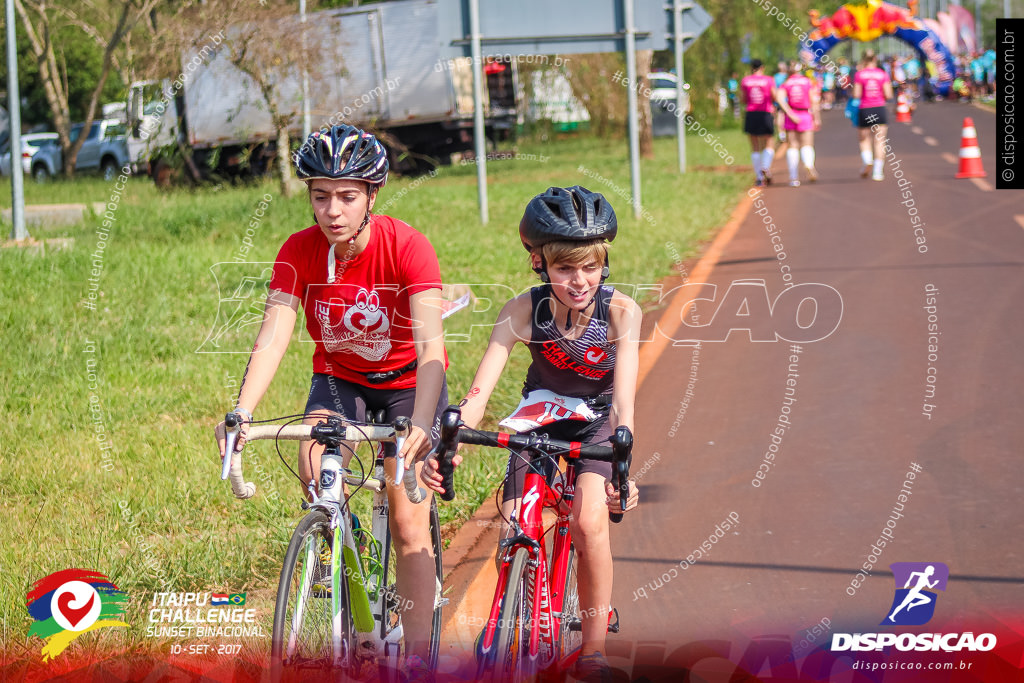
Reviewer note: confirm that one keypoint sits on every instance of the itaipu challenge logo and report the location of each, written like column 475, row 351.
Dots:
column 914, row 603
column 71, row 602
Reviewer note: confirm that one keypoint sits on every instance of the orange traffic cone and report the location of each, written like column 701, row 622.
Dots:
column 970, row 154
column 902, row 109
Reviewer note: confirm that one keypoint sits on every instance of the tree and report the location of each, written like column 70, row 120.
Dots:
column 107, row 23
column 271, row 47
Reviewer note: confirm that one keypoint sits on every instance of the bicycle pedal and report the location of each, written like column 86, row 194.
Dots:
column 574, row 623
column 440, row 602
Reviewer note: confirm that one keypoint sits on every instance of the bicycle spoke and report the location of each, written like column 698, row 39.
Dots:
column 306, row 637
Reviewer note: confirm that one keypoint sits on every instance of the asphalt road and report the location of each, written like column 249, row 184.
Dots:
column 834, row 425
column 852, row 402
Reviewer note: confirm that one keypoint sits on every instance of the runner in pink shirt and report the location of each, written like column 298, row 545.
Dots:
column 798, row 102
column 758, row 92
column 872, row 87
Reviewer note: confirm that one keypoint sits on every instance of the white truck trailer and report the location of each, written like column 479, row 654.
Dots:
column 379, row 65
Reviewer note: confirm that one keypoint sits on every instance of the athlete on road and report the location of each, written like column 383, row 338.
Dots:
column 871, row 86
column 583, row 338
column 370, row 288
column 799, row 106
column 758, row 92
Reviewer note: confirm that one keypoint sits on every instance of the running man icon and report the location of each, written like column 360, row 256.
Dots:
column 918, row 579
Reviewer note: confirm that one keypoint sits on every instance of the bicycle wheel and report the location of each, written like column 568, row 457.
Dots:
column 512, row 636
column 393, row 603
column 303, row 638
column 570, row 635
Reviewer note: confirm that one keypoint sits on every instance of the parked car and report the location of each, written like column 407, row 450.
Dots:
column 663, row 87
column 105, row 150
column 31, row 145
column 663, row 103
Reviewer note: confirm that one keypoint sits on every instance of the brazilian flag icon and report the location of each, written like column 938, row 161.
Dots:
column 237, row 599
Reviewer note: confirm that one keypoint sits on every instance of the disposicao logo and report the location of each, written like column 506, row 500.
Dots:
column 914, row 603
column 71, row 602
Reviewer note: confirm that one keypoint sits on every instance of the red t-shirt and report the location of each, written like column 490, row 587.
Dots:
column 361, row 323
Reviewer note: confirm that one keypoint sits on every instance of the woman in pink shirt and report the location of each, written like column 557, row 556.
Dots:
column 758, row 92
column 799, row 107
column 871, row 86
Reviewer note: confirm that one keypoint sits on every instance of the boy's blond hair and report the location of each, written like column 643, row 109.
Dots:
column 574, row 252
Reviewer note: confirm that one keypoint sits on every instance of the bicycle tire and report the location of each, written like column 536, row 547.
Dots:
column 512, row 635
column 391, row 614
column 304, row 642
column 570, row 633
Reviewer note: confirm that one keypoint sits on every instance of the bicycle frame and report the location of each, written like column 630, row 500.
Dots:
column 528, row 532
column 527, row 529
column 366, row 590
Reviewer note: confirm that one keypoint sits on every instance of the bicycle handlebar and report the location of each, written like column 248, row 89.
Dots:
column 323, row 432
column 451, row 436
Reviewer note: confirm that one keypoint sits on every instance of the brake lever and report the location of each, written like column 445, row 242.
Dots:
column 622, row 447
column 232, row 428
column 451, row 420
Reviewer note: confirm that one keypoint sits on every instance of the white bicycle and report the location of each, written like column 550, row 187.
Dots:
column 338, row 607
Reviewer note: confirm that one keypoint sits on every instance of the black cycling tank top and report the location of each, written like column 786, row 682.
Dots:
column 571, row 367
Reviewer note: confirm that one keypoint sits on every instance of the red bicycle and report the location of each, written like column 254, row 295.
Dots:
column 534, row 623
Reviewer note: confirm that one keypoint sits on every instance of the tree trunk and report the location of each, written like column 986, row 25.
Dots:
column 284, row 160
column 643, row 103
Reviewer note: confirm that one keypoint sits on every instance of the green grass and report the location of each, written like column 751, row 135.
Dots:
column 155, row 398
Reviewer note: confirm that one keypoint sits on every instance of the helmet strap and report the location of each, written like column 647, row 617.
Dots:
column 370, row 193
column 542, row 271
column 568, row 312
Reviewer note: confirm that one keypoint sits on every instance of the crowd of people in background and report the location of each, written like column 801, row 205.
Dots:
column 781, row 112
column 975, row 80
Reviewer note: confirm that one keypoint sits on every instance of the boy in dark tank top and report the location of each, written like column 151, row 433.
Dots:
column 583, row 337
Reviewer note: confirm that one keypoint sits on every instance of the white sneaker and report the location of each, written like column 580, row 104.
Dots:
column 878, row 176
column 794, row 183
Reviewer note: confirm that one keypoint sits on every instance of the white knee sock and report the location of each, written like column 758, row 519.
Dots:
column 865, row 156
column 767, row 156
column 807, row 155
column 878, row 166
column 793, row 161
column 755, row 158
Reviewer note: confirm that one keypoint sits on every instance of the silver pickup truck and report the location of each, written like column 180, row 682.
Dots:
column 105, row 150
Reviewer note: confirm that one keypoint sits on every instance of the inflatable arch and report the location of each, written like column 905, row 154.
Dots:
column 875, row 18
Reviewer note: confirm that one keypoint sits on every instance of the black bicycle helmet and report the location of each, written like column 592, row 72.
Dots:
column 342, row 151
column 567, row 213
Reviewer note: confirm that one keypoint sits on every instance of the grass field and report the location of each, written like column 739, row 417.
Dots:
column 108, row 460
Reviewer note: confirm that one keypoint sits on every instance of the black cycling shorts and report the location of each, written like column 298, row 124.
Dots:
column 759, row 123
column 565, row 430
column 353, row 401
column 871, row 116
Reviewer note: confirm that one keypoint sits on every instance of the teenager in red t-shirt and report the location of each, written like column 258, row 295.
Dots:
column 370, row 288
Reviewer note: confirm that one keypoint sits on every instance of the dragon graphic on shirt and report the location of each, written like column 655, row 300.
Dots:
column 362, row 329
